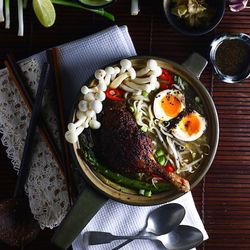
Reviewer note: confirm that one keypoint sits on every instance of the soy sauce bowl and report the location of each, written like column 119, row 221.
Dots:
column 216, row 43
column 95, row 4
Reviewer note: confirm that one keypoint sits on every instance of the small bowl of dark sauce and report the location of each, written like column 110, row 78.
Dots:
column 230, row 57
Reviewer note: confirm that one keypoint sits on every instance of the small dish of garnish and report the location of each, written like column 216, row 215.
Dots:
column 230, row 56
column 194, row 17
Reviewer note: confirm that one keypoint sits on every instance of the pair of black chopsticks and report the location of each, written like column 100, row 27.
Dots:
column 35, row 116
column 20, row 82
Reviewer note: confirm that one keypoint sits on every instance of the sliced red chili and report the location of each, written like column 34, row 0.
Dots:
column 169, row 168
column 115, row 94
column 167, row 76
column 164, row 86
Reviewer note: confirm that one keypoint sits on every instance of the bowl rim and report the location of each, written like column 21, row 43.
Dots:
column 95, row 6
column 192, row 33
column 137, row 199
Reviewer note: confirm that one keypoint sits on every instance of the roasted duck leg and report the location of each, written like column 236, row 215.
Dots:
column 124, row 148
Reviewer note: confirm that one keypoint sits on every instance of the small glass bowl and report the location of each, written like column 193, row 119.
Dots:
column 213, row 49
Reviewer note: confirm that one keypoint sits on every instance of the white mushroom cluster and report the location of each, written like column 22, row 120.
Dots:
column 124, row 77
column 144, row 79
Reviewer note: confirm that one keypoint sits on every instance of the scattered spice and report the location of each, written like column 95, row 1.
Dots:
column 232, row 57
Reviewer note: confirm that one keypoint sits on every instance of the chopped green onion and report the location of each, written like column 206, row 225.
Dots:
column 25, row 3
column 144, row 93
column 132, row 109
column 101, row 11
column 161, row 160
column 159, row 153
column 142, row 191
column 197, row 99
column 144, row 129
column 1, row 11
column 134, row 7
column 148, row 193
column 175, row 78
column 7, row 13
column 20, row 17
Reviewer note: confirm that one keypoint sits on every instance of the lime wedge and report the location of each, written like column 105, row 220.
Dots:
column 45, row 12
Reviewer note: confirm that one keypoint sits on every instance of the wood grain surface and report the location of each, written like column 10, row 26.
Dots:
column 223, row 196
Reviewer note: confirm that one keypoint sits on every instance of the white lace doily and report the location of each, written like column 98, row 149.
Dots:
column 46, row 187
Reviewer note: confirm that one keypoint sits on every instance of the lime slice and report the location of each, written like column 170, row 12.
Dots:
column 45, row 12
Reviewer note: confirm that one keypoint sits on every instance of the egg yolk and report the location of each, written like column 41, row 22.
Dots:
column 171, row 105
column 190, row 124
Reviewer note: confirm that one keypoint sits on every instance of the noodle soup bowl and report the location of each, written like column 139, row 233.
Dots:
column 189, row 72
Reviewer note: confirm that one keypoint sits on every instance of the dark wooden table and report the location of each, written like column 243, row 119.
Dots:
column 223, row 196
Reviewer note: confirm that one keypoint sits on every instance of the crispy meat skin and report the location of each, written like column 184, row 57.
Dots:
column 124, row 148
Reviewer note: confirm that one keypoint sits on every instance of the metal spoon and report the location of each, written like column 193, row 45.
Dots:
column 17, row 224
column 181, row 238
column 161, row 221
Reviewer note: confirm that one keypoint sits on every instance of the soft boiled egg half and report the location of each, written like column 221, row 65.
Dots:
column 190, row 127
column 168, row 104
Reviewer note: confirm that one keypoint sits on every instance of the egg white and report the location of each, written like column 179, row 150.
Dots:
column 157, row 106
column 183, row 135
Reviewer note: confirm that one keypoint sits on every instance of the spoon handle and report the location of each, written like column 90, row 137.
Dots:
column 24, row 167
column 122, row 244
column 142, row 232
column 95, row 237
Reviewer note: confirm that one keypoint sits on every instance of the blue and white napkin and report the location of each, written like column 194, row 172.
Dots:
column 79, row 59
column 121, row 219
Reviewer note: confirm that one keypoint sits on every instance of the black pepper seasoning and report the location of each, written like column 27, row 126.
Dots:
column 232, row 57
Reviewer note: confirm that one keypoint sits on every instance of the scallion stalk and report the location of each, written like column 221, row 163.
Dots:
column 20, row 17
column 134, row 7
column 7, row 14
column 1, row 11
column 25, row 3
column 101, row 11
